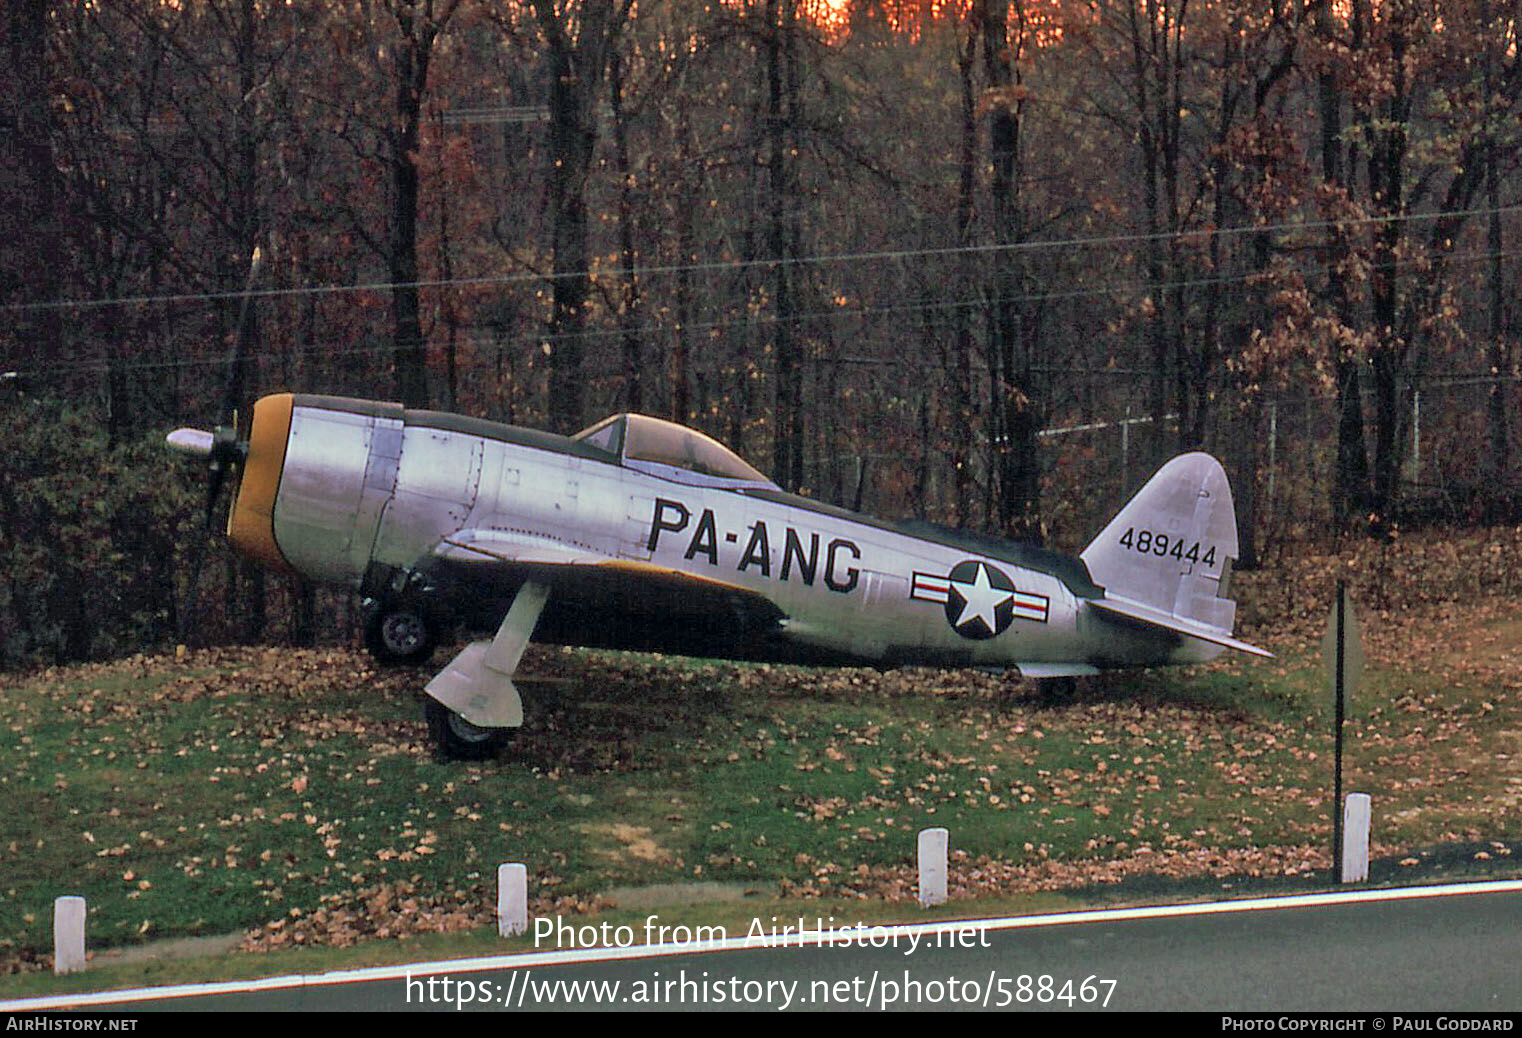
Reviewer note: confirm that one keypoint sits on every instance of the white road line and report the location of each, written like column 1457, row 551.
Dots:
column 845, row 938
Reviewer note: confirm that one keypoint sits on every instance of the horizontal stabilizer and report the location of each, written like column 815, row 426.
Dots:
column 1151, row 617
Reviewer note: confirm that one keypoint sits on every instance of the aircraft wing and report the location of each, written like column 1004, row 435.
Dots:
column 1152, row 617
column 576, row 591
column 616, row 585
column 518, row 549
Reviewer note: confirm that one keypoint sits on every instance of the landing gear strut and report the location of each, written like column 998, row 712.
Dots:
column 472, row 704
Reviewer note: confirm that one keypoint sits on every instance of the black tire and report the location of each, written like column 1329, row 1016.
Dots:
column 400, row 636
column 457, row 739
column 1057, row 691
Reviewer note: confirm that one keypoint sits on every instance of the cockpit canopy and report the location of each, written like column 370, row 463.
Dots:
column 670, row 451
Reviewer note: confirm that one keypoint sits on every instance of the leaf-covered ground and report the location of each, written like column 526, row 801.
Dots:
column 291, row 794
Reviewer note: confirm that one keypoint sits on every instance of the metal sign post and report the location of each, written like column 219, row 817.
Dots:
column 1343, row 651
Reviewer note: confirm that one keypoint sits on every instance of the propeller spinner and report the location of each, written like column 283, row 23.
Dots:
column 222, row 450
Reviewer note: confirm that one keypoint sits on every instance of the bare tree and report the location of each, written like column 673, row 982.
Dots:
column 579, row 38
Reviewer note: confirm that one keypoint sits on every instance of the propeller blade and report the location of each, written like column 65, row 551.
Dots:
column 219, row 447
column 214, row 481
column 238, row 353
column 193, row 593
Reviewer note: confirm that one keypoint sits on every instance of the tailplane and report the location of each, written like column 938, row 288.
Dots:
column 1165, row 560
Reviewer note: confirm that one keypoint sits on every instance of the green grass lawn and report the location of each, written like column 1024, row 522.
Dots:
column 292, row 794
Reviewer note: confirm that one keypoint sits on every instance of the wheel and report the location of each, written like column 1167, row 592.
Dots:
column 458, row 739
column 399, row 636
column 1057, row 691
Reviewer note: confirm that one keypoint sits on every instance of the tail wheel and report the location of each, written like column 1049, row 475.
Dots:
column 1057, row 691
column 400, row 636
column 458, row 739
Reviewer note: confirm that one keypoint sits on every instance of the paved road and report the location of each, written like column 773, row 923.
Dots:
column 1384, row 953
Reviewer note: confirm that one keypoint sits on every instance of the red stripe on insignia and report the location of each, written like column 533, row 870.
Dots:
column 1030, row 606
column 930, row 588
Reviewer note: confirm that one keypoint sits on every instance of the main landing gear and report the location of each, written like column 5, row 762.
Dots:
column 457, row 739
column 400, row 635
column 472, row 705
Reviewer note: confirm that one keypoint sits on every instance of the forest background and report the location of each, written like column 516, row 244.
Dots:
column 978, row 261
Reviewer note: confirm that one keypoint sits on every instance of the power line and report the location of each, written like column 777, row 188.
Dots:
column 719, row 266
column 330, row 350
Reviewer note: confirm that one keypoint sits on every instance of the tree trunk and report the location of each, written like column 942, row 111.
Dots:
column 1387, row 197
column 42, row 330
column 576, row 67
column 630, row 318
column 410, row 364
column 1009, row 339
column 782, row 232
column 962, row 348
column 1350, row 480
column 1498, row 458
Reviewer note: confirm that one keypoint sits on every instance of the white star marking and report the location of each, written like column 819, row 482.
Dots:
column 980, row 599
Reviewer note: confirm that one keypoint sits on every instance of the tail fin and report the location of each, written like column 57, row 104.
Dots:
column 1166, row 558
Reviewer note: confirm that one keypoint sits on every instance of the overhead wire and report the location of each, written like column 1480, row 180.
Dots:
column 330, row 350
column 720, row 266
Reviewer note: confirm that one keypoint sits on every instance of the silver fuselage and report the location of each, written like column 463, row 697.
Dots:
column 368, row 488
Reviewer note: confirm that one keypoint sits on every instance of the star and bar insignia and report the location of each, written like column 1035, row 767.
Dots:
column 980, row 599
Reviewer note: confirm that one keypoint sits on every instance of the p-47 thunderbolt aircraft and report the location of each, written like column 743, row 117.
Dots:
column 639, row 533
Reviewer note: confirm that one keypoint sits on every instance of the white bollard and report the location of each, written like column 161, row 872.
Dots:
column 1357, row 814
column 933, row 845
column 68, row 935
column 512, row 900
